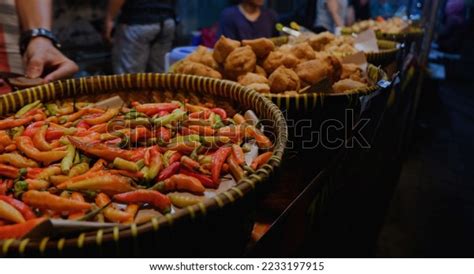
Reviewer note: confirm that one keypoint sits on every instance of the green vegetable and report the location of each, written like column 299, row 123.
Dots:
column 17, row 131
column 27, row 108
column 176, row 116
column 187, row 138
column 125, row 165
column 79, row 169
column 20, row 187
column 52, row 109
column 67, row 161
column 218, row 122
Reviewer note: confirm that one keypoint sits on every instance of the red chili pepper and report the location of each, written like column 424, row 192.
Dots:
column 206, row 181
column 163, row 113
column 152, row 109
column 139, row 133
column 200, row 115
column 101, row 150
column 221, row 112
column 203, row 130
column 189, row 163
column 45, row 200
column 32, row 128
column 152, row 197
column 20, row 206
column 146, row 157
column 9, row 171
column 184, row 131
column 137, row 154
column 19, row 230
column 218, row 159
column 174, row 158
column 126, row 173
column 163, row 133
column 238, row 154
column 83, row 124
column 261, row 160
column 100, row 128
column 11, row 123
column 169, row 171
column 181, row 182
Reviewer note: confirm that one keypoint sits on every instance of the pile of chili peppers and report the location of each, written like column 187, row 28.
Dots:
column 125, row 165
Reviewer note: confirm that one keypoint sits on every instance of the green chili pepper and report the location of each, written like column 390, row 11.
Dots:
column 176, row 116
column 16, row 131
column 125, row 165
column 77, row 159
column 187, row 138
column 79, row 169
column 67, row 161
column 52, row 109
column 134, row 114
column 27, row 108
column 20, row 187
column 218, row 122
column 138, row 122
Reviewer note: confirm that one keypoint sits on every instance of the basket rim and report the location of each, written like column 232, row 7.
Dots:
column 72, row 87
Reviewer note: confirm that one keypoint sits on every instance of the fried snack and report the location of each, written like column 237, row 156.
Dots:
column 260, row 87
column 203, row 56
column 347, row 84
column 262, row 46
column 252, row 78
column 302, row 51
column 193, row 68
column 319, row 41
column 278, row 58
column 313, row 71
column 352, row 71
column 284, row 79
column 334, row 66
column 260, row 71
column 224, row 46
column 240, row 61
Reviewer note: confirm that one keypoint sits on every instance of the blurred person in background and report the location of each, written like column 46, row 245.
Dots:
column 248, row 20
column 40, row 56
column 331, row 14
column 143, row 36
column 455, row 26
column 361, row 9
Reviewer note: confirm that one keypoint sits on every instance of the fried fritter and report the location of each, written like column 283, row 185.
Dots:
column 352, row 71
column 347, row 84
column 313, row 71
column 319, row 41
column 193, row 68
column 284, row 79
column 262, row 46
column 260, row 87
column 204, row 56
column 302, row 51
column 277, row 58
column 252, row 78
column 334, row 66
column 260, row 71
column 240, row 61
column 224, row 46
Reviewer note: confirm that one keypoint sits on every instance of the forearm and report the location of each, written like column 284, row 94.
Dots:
column 34, row 13
column 113, row 9
column 334, row 11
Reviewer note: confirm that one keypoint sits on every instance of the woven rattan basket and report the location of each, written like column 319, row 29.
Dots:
column 170, row 234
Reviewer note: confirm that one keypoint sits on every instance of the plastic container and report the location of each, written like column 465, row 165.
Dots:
column 177, row 54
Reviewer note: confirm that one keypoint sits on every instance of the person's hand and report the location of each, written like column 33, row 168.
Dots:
column 42, row 58
column 108, row 27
